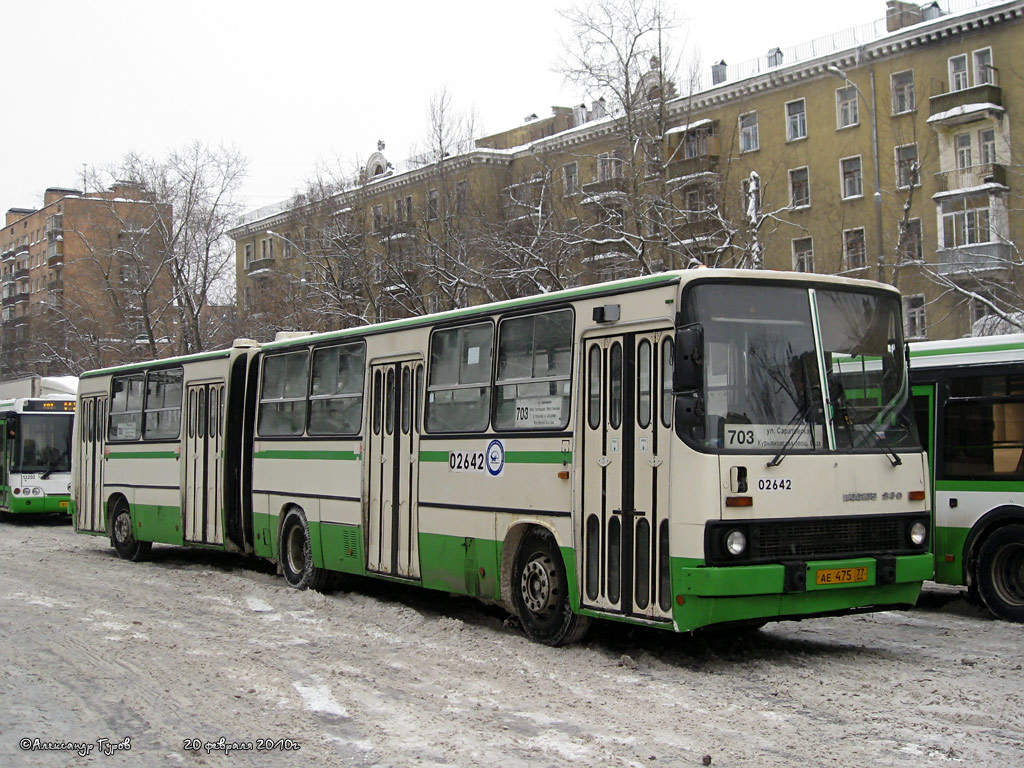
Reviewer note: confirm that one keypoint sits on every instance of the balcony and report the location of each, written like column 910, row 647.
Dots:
column 8, row 301
column 21, row 274
column 7, row 255
column 55, row 253
column 55, row 286
column 596, row 191
column 682, row 168
column 21, row 298
column 398, row 230
column 973, row 176
column 965, row 106
column 259, row 266
column 971, row 259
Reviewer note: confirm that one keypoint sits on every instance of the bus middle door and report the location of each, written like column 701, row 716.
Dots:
column 202, row 463
column 392, row 525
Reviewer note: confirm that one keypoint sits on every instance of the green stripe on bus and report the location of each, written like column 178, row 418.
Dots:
column 169, row 361
column 321, row 455
column 964, row 350
column 1000, row 486
column 142, row 455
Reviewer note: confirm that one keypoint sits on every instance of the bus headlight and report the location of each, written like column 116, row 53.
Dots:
column 735, row 543
column 918, row 533
column 37, row 491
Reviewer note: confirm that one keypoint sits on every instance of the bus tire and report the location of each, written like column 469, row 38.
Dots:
column 296, row 555
column 540, row 592
column 122, row 538
column 1001, row 572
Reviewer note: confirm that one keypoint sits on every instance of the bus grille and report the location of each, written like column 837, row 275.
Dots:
column 813, row 539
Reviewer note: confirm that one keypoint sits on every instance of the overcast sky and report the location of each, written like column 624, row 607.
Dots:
column 299, row 84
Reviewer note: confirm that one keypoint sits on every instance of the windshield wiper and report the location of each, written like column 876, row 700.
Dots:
column 800, row 416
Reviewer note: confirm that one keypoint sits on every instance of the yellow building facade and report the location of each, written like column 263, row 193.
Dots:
column 884, row 151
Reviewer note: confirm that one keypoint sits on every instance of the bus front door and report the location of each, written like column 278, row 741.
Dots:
column 624, row 471
column 392, row 525
column 92, row 432
column 202, row 463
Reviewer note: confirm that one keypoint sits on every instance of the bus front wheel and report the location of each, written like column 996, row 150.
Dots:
column 1001, row 572
column 296, row 556
column 121, row 536
column 540, row 592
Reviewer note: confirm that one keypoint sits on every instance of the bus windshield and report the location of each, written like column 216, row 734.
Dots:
column 44, row 444
column 792, row 369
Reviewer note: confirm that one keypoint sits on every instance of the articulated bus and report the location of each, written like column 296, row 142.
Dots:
column 35, row 455
column 674, row 450
column 969, row 404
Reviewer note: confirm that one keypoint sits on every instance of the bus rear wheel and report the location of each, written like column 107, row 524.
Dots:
column 1001, row 572
column 540, row 593
column 296, row 555
column 121, row 536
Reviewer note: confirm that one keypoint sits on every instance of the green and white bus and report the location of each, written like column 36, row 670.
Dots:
column 35, row 455
column 969, row 405
column 673, row 450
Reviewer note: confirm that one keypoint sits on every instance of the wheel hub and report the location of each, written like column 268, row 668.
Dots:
column 122, row 528
column 537, row 586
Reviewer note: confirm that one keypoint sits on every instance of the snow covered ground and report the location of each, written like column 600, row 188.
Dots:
column 191, row 648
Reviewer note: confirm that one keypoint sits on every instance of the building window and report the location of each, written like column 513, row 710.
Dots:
column 907, row 166
column 958, row 76
column 803, row 254
column 248, row 254
column 966, row 221
column 847, row 107
column 796, row 120
column 432, row 204
column 852, row 183
column 962, row 145
column 461, row 196
column 913, row 317
column 799, row 188
column 987, row 146
column 911, row 246
column 696, row 143
column 399, row 210
column 902, row 84
column 984, row 72
column 609, row 166
column 748, row 132
column 854, row 250
column 267, row 248
column 571, row 178
column 378, row 218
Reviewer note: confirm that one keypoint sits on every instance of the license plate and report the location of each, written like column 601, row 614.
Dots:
column 841, row 575
column 63, row 505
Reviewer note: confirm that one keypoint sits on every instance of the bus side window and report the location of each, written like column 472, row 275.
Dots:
column 336, row 397
column 534, row 369
column 126, row 407
column 459, row 379
column 283, row 393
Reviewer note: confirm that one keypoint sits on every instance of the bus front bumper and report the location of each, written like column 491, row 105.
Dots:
column 39, row 505
column 743, row 593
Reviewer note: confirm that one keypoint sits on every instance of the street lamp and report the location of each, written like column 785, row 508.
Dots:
column 835, row 71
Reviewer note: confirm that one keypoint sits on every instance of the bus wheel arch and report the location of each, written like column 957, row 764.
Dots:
column 294, row 552
column 539, row 588
column 122, row 534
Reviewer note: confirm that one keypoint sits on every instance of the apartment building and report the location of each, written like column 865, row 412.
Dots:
column 80, row 282
column 881, row 151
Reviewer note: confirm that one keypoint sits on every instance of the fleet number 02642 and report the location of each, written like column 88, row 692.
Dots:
column 774, row 484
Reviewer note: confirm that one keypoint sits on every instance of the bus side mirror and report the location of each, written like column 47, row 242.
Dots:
column 688, row 371
column 12, row 426
column 689, row 410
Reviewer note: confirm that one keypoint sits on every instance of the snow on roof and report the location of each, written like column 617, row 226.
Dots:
column 965, row 109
